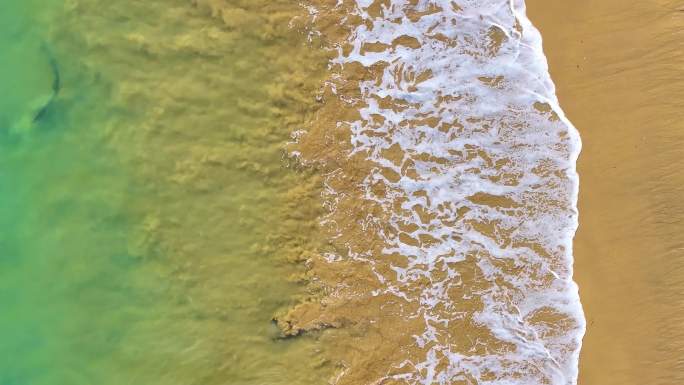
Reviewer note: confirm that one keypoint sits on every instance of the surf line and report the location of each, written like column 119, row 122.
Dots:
column 451, row 190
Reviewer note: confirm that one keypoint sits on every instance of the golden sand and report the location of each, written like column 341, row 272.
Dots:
column 618, row 66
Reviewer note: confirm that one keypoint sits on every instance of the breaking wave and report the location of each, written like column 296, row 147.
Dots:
column 451, row 192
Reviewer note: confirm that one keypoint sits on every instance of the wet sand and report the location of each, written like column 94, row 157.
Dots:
column 618, row 68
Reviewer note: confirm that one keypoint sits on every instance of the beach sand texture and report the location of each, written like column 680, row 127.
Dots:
column 618, row 67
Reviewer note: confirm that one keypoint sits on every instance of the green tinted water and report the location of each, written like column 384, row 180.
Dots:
column 146, row 220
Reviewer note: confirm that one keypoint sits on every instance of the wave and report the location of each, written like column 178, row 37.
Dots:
column 451, row 192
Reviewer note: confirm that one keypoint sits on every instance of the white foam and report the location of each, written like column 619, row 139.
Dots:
column 500, row 145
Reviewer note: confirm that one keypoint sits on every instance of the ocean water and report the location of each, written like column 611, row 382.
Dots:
column 146, row 235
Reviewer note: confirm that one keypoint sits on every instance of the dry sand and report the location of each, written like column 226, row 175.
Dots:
column 619, row 66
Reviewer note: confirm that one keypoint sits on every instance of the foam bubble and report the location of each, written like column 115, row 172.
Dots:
column 473, row 143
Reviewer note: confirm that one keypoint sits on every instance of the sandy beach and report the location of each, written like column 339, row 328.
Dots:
column 617, row 66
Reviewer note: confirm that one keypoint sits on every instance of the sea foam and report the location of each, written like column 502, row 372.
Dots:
column 473, row 162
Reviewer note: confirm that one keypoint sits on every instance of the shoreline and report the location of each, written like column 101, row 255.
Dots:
column 446, row 157
column 610, row 64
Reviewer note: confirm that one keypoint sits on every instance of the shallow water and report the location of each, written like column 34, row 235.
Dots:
column 146, row 230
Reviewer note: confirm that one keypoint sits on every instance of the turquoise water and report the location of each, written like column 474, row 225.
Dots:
column 116, row 266
column 65, row 215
